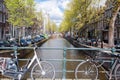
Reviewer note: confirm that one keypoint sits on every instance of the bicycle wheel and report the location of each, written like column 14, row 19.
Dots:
column 86, row 70
column 46, row 72
column 117, row 72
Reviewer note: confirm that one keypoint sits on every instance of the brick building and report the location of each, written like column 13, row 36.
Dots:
column 4, row 25
column 98, row 28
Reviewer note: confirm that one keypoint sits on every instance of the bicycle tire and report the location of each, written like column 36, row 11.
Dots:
column 117, row 72
column 47, row 72
column 86, row 70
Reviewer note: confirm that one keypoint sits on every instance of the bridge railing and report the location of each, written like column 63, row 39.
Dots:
column 15, row 50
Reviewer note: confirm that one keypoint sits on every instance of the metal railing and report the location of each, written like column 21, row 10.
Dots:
column 64, row 60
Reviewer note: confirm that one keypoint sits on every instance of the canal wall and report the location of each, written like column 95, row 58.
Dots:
column 94, row 53
column 90, row 52
column 21, row 52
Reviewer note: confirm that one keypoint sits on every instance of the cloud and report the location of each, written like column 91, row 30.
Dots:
column 63, row 3
column 102, row 3
column 54, row 8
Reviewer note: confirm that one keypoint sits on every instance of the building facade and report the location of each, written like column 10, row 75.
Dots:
column 98, row 28
column 2, row 19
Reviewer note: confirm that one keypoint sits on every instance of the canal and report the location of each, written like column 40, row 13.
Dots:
column 58, row 42
column 57, row 55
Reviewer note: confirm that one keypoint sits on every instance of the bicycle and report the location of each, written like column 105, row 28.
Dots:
column 88, row 69
column 40, row 70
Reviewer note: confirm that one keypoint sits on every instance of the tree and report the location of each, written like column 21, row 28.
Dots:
column 78, row 13
column 21, row 12
column 29, row 13
column 53, row 27
column 116, row 9
column 39, row 16
column 50, row 26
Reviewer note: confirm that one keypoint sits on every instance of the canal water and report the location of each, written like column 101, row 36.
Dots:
column 57, row 43
column 56, row 54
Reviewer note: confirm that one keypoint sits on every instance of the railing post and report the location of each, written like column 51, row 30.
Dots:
column 112, row 63
column 64, row 64
column 15, row 51
column 113, row 50
column 15, row 55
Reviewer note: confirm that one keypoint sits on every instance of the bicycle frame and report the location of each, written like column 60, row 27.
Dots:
column 33, row 59
column 112, row 67
column 22, row 71
column 14, row 72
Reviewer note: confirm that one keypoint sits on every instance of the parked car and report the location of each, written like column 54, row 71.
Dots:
column 4, row 44
column 37, row 38
column 29, row 41
column 13, row 43
column 42, row 36
column 23, row 42
column 32, row 41
column 117, row 45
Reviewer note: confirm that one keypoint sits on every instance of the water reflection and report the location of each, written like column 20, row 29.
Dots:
column 58, row 54
column 46, row 54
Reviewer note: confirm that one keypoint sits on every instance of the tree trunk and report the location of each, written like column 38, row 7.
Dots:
column 111, row 28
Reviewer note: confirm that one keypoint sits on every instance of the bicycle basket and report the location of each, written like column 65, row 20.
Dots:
column 2, row 63
column 7, row 64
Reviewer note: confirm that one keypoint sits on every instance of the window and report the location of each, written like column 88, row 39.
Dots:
column 4, row 18
column 0, row 17
column 4, row 9
column 0, row 32
column 119, row 17
column 1, row 6
column 118, row 33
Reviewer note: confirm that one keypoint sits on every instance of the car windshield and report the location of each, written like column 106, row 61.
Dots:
column 6, row 42
column 23, row 40
column 12, row 42
column 1, row 41
column 28, row 39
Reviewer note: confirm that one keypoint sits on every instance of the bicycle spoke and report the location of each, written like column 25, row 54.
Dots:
column 117, row 72
column 36, row 72
column 47, row 71
column 86, row 70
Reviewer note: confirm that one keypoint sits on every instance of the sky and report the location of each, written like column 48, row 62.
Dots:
column 54, row 8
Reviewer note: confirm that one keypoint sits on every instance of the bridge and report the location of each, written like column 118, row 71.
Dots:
column 64, row 59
